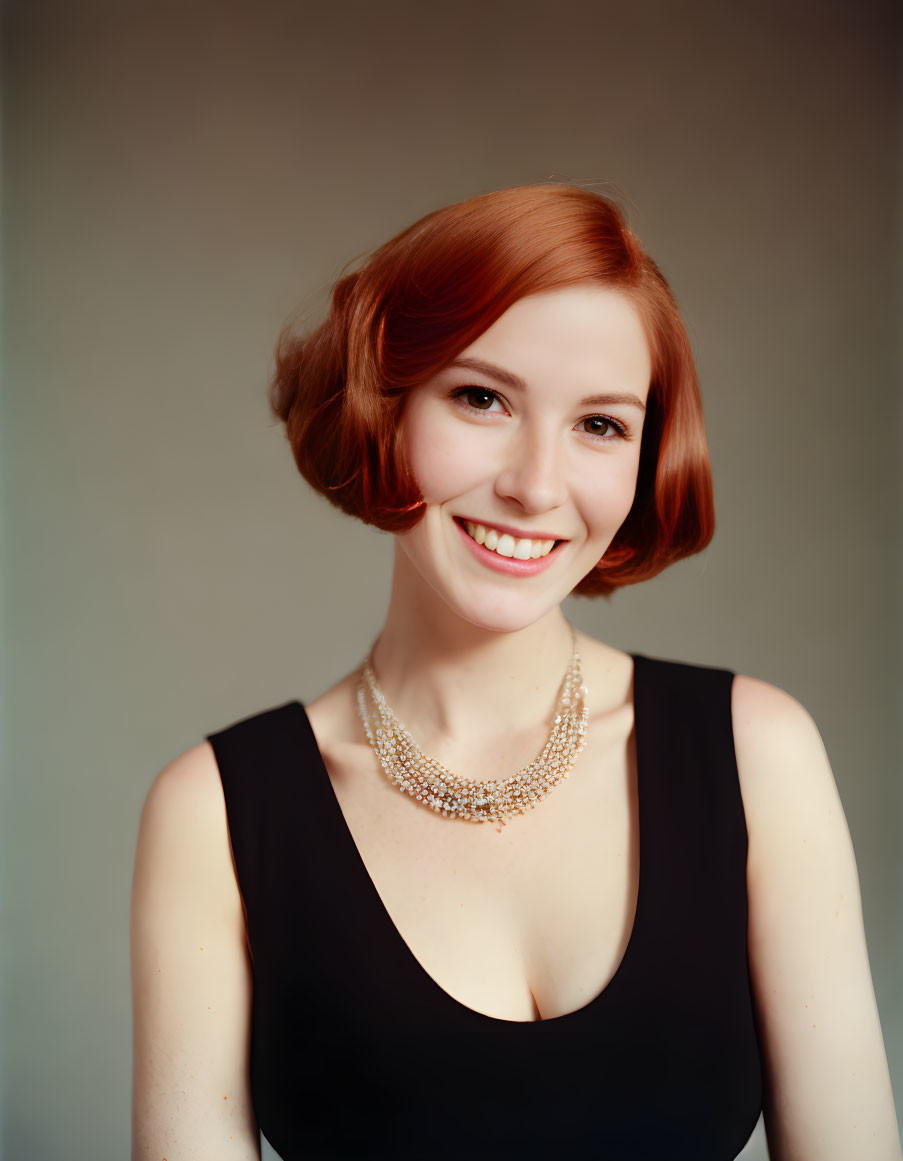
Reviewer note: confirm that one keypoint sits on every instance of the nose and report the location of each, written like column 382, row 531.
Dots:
column 533, row 472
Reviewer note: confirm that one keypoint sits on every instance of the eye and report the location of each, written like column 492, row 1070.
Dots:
column 477, row 398
column 604, row 427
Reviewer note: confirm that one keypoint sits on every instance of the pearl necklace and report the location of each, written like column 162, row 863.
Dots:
column 495, row 800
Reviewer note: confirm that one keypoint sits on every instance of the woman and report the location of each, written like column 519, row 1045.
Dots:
column 506, row 891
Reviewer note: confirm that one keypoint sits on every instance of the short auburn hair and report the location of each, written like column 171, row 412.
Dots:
column 427, row 294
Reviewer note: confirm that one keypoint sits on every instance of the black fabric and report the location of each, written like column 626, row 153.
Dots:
column 357, row 1053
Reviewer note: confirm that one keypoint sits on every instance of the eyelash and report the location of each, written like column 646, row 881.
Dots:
column 619, row 427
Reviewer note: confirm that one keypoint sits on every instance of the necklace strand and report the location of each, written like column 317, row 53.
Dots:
column 494, row 800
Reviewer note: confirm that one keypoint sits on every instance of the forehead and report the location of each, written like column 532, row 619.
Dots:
column 587, row 335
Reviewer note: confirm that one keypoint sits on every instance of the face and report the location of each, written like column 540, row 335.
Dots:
column 530, row 436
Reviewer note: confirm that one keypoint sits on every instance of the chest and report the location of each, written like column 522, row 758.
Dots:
column 371, row 923
column 524, row 924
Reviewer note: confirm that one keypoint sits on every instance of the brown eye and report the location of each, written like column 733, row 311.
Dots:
column 604, row 428
column 479, row 397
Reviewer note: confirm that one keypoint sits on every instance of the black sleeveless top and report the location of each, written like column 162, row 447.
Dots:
column 356, row 1052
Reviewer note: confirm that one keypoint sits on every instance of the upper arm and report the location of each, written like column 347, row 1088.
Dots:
column 827, row 1088
column 191, row 976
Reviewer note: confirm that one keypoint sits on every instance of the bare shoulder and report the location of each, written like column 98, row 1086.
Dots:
column 192, row 775
column 794, row 816
column 827, row 1088
column 768, row 719
column 185, row 805
column 779, row 750
column 790, row 798
column 191, row 973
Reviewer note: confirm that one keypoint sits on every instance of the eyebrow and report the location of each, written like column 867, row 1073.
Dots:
column 515, row 381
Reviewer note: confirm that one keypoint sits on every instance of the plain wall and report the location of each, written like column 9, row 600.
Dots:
column 179, row 179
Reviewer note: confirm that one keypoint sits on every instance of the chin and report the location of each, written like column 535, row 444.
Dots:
column 497, row 604
column 499, row 612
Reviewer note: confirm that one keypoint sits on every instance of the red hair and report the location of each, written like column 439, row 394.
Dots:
column 426, row 295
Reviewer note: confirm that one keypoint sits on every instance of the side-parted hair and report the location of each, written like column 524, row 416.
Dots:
column 431, row 291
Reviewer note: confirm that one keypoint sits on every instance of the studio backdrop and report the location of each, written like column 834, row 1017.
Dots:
column 179, row 179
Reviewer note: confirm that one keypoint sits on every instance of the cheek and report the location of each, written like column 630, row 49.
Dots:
column 446, row 460
column 606, row 500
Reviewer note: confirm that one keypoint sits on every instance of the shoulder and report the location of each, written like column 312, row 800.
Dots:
column 801, row 857
column 188, row 785
column 188, row 959
column 781, row 761
column 790, row 798
column 769, row 721
column 254, row 728
column 808, row 959
column 785, row 777
column 183, row 822
column 691, row 678
column 766, row 721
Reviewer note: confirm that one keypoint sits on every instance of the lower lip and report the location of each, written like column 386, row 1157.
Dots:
column 507, row 564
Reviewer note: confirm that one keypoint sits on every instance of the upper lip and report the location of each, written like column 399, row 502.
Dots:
column 517, row 533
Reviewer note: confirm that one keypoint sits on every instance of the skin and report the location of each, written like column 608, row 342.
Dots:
column 532, row 922
column 474, row 658
column 534, row 459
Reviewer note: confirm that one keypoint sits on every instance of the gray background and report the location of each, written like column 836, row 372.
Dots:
column 179, row 179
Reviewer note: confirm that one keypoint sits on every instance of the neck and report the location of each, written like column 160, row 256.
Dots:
column 446, row 677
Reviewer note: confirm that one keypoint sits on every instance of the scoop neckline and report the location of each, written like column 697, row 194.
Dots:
column 408, row 955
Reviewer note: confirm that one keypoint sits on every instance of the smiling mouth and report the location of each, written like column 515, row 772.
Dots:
column 504, row 544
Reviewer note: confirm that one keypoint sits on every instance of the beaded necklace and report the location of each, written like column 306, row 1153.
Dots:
column 494, row 800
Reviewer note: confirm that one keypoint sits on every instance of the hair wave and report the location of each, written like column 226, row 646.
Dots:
column 426, row 295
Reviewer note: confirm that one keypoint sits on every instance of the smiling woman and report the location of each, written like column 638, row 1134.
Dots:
column 432, row 302
column 530, row 455
column 659, row 933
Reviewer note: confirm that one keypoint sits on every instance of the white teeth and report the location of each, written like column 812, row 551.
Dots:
column 506, row 545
